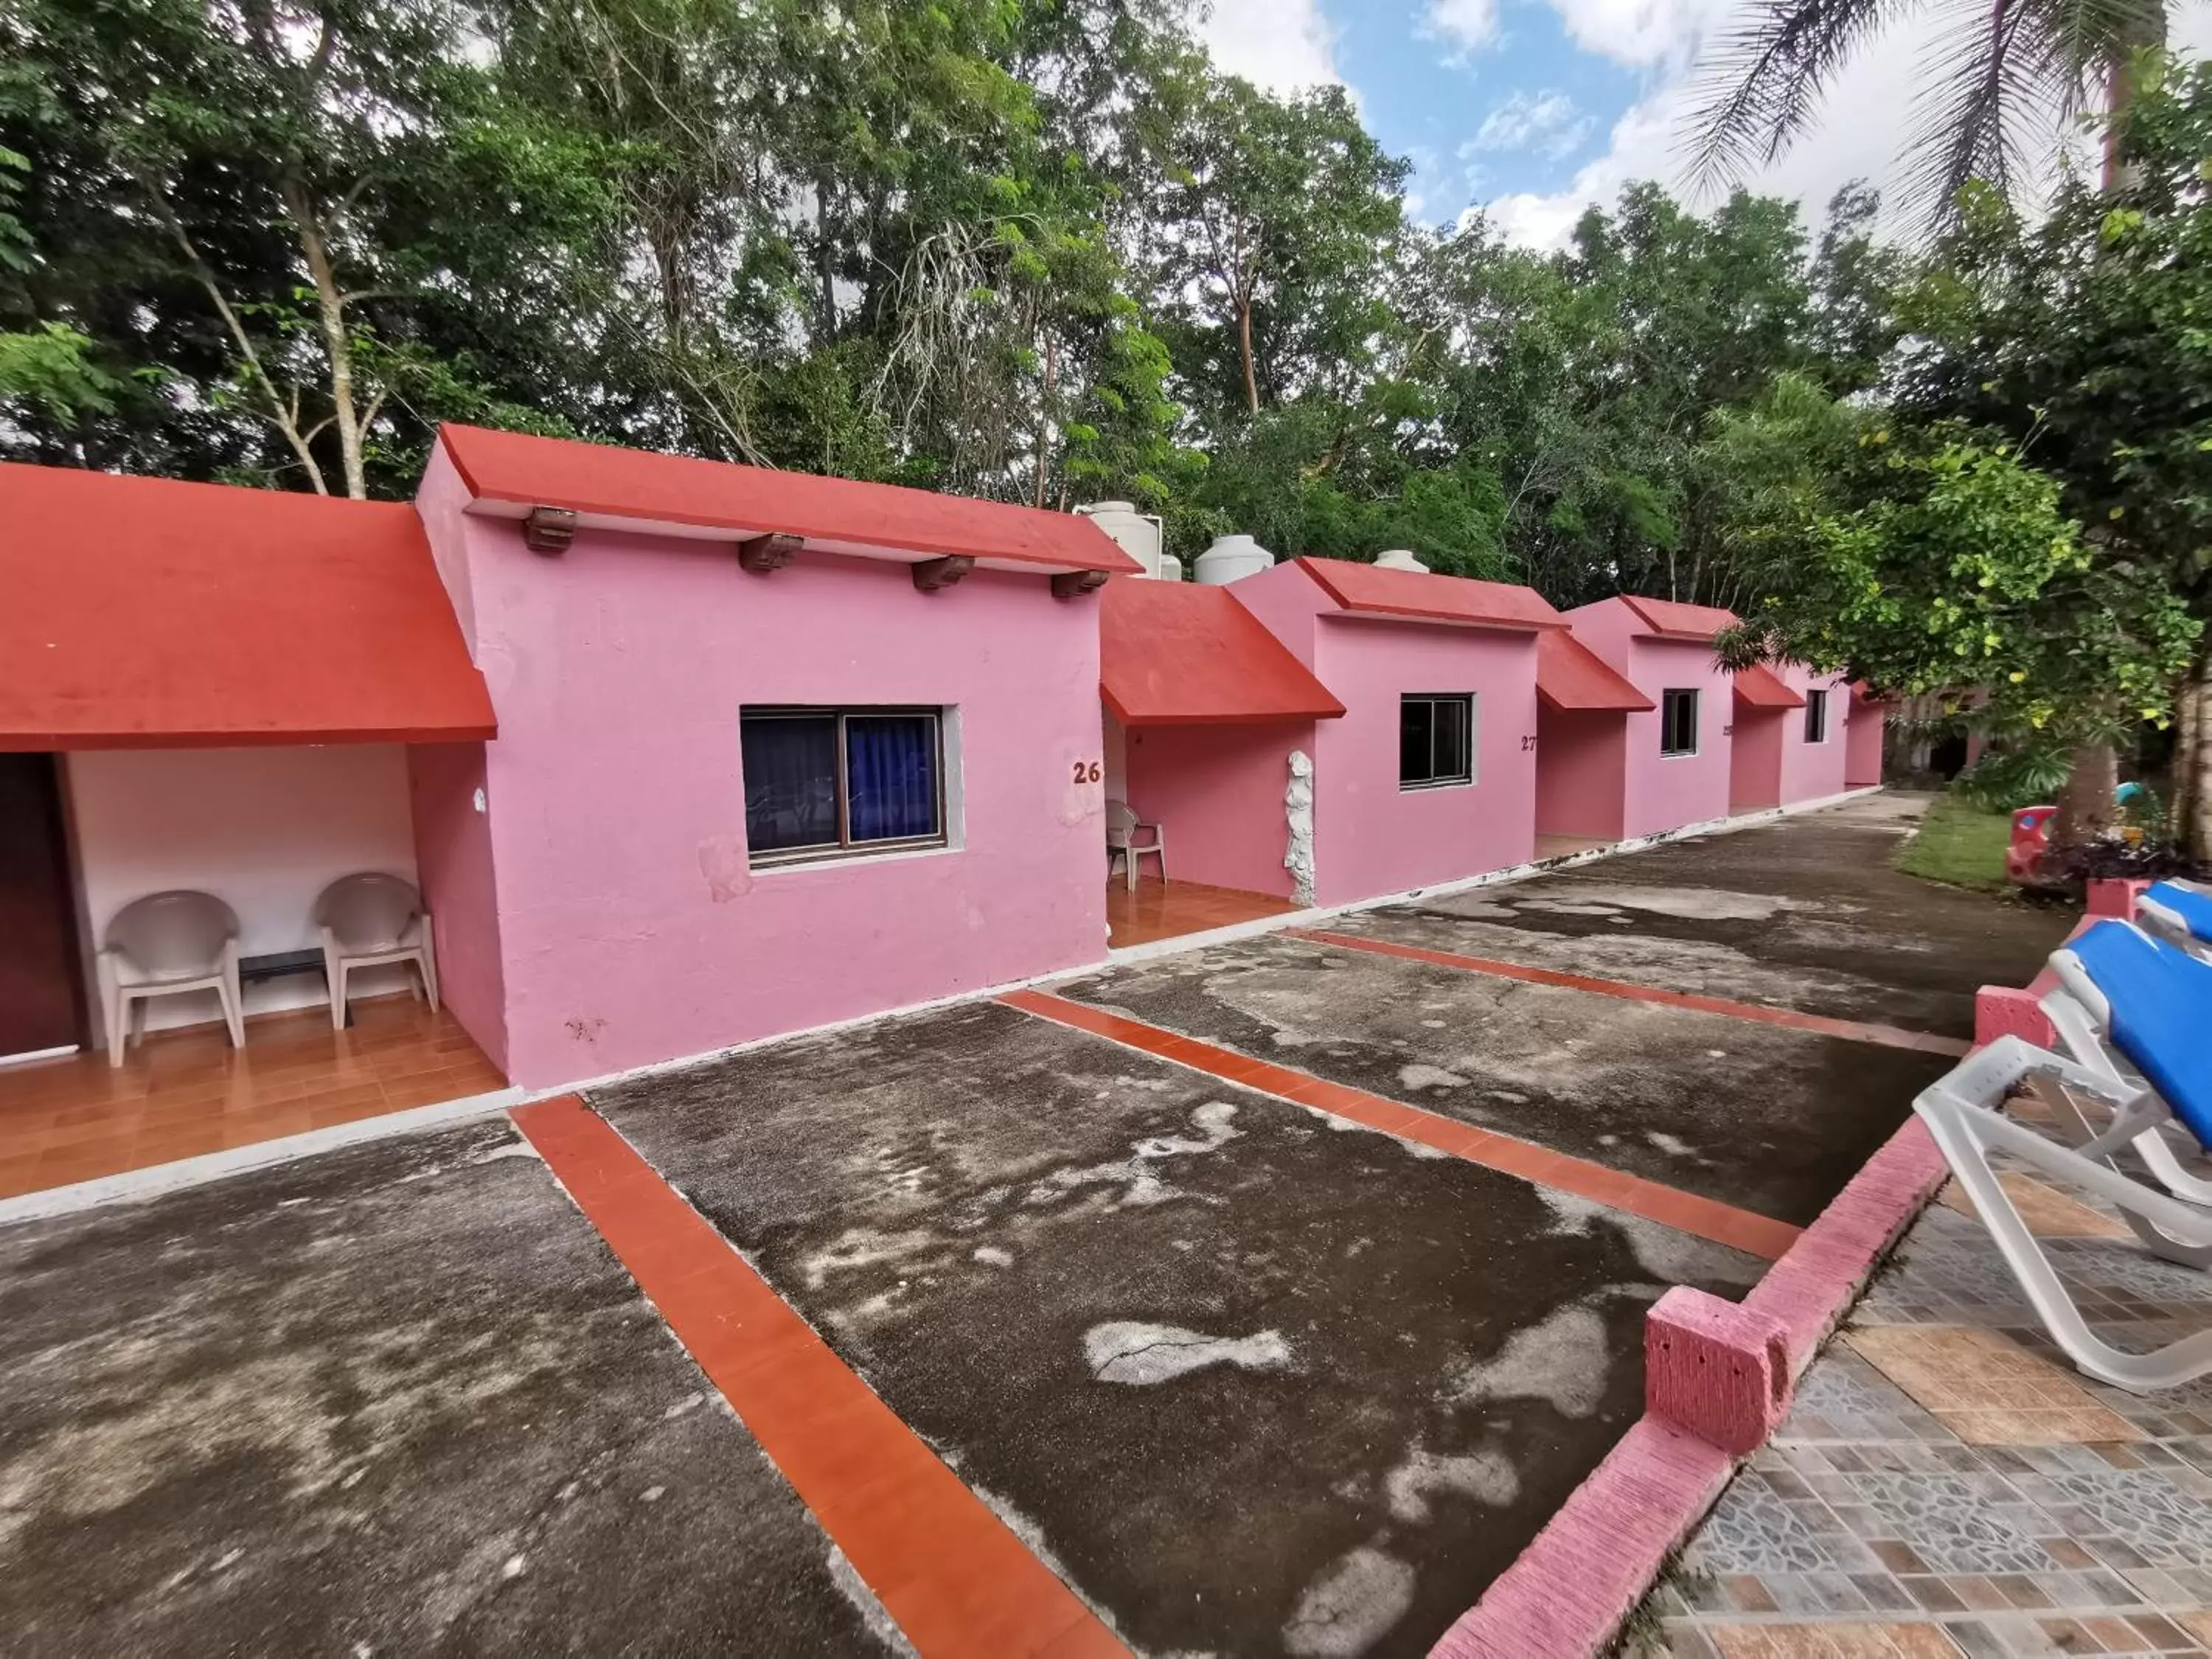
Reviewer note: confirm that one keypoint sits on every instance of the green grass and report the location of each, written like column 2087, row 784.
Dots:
column 1958, row 844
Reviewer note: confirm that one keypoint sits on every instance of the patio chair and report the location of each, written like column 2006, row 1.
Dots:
column 1123, row 826
column 2110, row 978
column 2180, row 913
column 369, row 920
column 164, row 945
column 1960, row 1112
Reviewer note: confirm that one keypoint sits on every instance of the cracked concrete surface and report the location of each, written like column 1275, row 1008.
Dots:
column 397, row 1399
column 1309, row 1481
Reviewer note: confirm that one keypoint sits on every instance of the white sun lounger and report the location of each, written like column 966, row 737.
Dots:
column 1960, row 1112
column 2180, row 913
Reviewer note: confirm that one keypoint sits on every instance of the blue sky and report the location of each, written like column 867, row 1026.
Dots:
column 1532, row 109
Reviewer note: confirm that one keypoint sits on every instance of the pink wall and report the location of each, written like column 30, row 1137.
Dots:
column 1813, row 771
column 1755, row 772
column 1664, row 792
column 1581, row 773
column 452, row 851
column 1371, row 837
column 1216, row 793
column 632, row 929
column 1863, row 742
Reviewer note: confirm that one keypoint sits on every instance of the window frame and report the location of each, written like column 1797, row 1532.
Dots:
column 845, row 849
column 1456, row 781
column 1697, row 699
column 1816, row 702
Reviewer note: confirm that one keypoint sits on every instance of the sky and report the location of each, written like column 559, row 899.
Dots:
column 1532, row 109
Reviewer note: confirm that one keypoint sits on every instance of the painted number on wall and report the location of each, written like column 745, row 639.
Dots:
column 1088, row 771
column 1528, row 743
column 1727, row 731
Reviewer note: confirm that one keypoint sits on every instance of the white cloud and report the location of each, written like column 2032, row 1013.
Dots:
column 1465, row 25
column 1279, row 45
column 1640, row 33
column 1867, row 117
column 1547, row 124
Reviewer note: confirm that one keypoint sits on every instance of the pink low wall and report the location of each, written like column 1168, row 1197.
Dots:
column 453, row 856
column 1370, row 836
column 1664, row 792
column 1217, row 793
column 632, row 928
column 1581, row 774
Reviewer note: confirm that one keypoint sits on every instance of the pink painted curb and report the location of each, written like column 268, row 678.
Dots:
column 1567, row 1594
column 1717, row 1369
column 2115, row 895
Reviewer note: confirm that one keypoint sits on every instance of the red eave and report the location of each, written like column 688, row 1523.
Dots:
column 635, row 488
column 1761, row 688
column 1423, row 596
column 1573, row 678
column 1669, row 619
column 1182, row 653
column 146, row 613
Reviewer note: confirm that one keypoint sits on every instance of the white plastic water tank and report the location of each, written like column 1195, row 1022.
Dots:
column 1170, row 568
column 1398, row 558
column 1231, row 559
column 1137, row 534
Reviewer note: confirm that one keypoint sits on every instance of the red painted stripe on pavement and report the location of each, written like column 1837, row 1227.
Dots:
column 1689, row 1213
column 949, row 1572
column 1888, row 1036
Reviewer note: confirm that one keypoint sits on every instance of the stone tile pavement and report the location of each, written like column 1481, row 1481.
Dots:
column 1948, row 1485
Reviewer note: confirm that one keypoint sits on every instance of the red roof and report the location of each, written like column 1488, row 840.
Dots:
column 145, row 613
column 1423, row 596
column 1180, row 654
column 1572, row 676
column 1761, row 688
column 1667, row 619
column 637, row 489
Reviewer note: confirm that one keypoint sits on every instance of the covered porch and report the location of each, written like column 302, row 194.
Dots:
column 1204, row 708
column 220, row 693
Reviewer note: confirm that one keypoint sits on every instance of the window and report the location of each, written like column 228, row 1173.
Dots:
column 1678, row 722
column 820, row 782
column 1436, row 740
column 1816, row 717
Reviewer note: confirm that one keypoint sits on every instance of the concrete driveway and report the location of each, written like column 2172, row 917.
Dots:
column 1268, row 1297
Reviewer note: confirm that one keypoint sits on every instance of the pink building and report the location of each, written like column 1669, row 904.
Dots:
column 1678, row 751
column 775, row 750
column 1204, row 710
column 1430, row 775
column 1583, row 710
column 1864, row 717
column 1789, row 745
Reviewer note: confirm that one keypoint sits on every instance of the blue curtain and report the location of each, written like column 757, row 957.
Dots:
column 891, row 777
column 791, row 781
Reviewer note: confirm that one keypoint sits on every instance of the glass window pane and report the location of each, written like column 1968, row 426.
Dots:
column 791, row 781
column 891, row 777
column 1452, row 738
column 1416, row 736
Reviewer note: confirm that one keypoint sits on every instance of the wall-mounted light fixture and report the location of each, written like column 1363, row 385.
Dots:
column 549, row 529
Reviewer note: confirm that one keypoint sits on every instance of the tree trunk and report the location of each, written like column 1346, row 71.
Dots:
column 331, row 305
column 2085, row 804
column 1244, row 345
column 2192, row 765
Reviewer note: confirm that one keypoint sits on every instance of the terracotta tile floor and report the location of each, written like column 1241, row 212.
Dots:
column 1560, row 846
column 1987, row 1390
column 1160, row 909
column 187, row 1091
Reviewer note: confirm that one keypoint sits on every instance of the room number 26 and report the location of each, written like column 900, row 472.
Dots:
column 1088, row 771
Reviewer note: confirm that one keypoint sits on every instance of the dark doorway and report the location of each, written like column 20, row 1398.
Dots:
column 1946, row 758
column 41, row 987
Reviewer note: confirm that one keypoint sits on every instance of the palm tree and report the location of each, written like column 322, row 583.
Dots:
column 2001, row 72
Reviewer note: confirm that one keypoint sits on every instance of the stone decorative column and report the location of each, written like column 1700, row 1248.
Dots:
column 1297, row 808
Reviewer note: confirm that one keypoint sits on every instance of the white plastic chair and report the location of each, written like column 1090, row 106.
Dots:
column 1123, row 826
column 163, row 944
column 369, row 920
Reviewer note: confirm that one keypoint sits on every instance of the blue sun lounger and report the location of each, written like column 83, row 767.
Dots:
column 2179, row 913
column 2151, row 1005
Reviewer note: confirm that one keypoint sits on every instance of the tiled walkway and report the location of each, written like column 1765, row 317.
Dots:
column 1948, row 1485
column 1168, row 909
